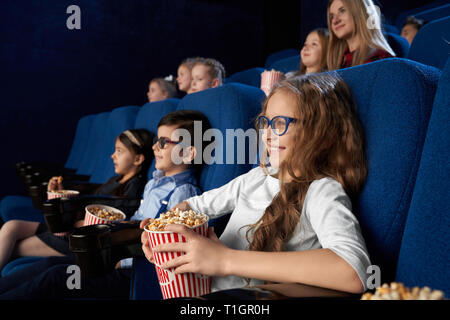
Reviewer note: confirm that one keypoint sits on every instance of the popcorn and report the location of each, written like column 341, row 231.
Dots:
column 397, row 291
column 106, row 214
column 176, row 216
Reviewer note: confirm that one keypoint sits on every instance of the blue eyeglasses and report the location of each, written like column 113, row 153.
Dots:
column 279, row 124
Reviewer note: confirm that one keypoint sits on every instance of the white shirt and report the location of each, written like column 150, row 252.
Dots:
column 326, row 220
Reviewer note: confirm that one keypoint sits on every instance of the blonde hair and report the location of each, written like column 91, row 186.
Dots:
column 369, row 37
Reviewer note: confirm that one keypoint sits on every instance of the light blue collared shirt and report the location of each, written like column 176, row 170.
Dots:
column 157, row 189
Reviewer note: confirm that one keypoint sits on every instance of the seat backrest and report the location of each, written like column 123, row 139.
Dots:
column 120, row 119
column 431, row 45
column 149, row 116
column 250, row 77
column 97, row 131
column 80, row 142
column 434, row 13
column 401, row 18
column 394, row 99
column 279, row 55
column 424, row 258
column 231, row 106
column 288, row 64
column 399, row 44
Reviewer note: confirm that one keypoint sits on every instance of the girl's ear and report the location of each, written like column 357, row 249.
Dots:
column 215, row 83
column 189, row 154
column 139, row 159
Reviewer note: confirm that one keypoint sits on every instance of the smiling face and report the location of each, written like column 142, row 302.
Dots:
column 341, row 20
column 311, row 52
column 184, row 78
column 163, row 156
column 281, row 103
column 201, row 79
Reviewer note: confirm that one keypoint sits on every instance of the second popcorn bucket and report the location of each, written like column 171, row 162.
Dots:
column 178, row 285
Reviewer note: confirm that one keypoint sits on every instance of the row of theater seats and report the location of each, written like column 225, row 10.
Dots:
column 431, row 12
column 403, row 208
column 431, row 46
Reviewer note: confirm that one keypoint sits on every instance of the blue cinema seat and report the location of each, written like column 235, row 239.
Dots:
column 394, row 101
column 431, row 46
column 119, row 120
column 434, row 13
column 399, row 44
column 280, row 55
column 79, row 142
column 21, row 207
column 232, row 106
column 288, row 64
column 401, row 18
column 424, row 254
column 251, row 77
column 149, row 116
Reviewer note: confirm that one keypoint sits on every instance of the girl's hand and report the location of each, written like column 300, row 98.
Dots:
column 203, row 255
column 144, row 240
column 55, row 184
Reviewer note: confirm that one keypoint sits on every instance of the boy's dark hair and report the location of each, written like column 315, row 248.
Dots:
column 167, row 86
column 140, row 142
column 418, row 23
column 216, row 69
column 184, row 119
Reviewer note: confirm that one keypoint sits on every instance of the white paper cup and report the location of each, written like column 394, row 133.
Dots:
column 90, row 218
column 177, row 285
column 64, row 194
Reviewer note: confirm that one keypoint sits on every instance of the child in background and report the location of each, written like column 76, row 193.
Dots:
column 313, row 58
column 132, row 158
column 171, row 184
column 207, row 73
column 291, row 222
column 184, row 77
column 353, row 40
column 161, row 89
column 411, row 27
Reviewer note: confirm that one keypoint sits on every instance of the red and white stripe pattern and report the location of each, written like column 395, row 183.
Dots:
column 177, row 285
column 66, row 195
column 268, row 80
column 90, row 219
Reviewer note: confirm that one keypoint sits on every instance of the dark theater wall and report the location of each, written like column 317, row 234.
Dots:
column 51, row 76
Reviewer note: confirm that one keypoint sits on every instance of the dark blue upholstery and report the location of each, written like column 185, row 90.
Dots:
column 149, row 116
column 251, row 77
column 288, row 64
column 434, row 13
column 401, row 18
column 19, row 208
column 230, row 106
column 18, row 264
column 431, row 45
column 79, row 142
column 119, row 120
column 389, row 28
column 424, row 255
column 394, row 99
column 399, row 44
column 280, row 55
column 97, row 131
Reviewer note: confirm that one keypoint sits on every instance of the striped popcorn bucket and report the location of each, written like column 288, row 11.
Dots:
column 177, row 285
column 64, row 194
column 268, row 80
column 90, row 218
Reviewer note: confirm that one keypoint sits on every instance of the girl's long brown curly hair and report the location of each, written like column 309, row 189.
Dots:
column 329, row 143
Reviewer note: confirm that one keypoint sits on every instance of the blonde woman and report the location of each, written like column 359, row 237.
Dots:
column 355, row 34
